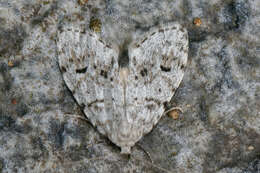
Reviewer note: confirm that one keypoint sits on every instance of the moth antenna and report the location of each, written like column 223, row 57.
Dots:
column 146, row 152
column 78, row 117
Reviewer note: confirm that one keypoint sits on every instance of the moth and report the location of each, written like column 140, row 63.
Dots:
column 123, row 91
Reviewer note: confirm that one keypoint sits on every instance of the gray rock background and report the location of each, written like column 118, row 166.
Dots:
column 219, row 130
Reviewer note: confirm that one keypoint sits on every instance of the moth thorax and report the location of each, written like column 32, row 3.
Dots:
column 123, row 74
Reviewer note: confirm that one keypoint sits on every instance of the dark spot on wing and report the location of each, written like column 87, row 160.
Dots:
column 82, row 70
column 108, row 46
column 158, row 102
column 161, row 30
column 150, row 106
column 63, row 69
column 153, row 33
column 186, row 36
column 95, row 66
column 144, row 40
column 135, row 98
column 181, row 49
column 182, row 66
column 134, row 61
column 103, row 73
column 83, row 32
column 159, row 90
column 112, row 62
column 82, row 106
column 101, row 41
column 111, row 79
column 144, row 72
column 136, row 77
column 173, row 28
column 166, row 69
column 95, row 101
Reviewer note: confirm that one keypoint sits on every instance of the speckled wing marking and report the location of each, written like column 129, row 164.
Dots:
column 124, row 103
column 90, row 70
column 156, row 69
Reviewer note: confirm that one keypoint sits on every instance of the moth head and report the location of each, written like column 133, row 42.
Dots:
column 123, row 58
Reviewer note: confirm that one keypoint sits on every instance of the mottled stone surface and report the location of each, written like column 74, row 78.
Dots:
column 218, row 131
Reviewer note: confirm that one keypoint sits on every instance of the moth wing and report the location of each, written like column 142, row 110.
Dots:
column 90, row 70
column 156, row 66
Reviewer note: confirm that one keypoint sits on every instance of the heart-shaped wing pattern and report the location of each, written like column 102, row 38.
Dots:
column 123, row 100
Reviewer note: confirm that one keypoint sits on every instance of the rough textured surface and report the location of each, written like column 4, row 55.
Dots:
column 219, row 130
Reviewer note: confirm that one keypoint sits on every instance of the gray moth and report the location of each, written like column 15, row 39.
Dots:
column 123, row 91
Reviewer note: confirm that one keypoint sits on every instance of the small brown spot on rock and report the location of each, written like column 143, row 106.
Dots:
column 174, row 114
column 197, row 21
column 82, row 2
column 250, row 148
column 14, row 102
column 10, row 63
